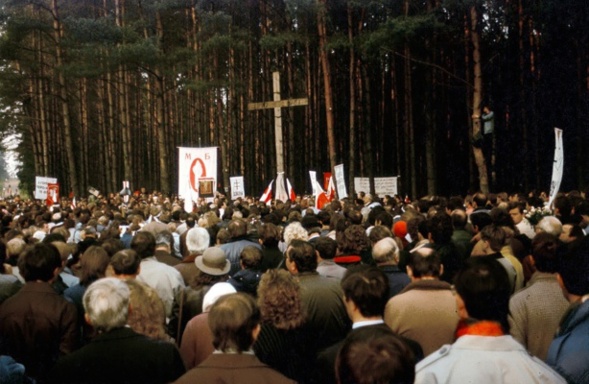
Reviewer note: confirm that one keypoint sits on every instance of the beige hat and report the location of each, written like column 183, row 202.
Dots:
column 213, row 261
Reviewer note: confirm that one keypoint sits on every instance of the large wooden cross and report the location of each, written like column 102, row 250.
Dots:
column 277, row 105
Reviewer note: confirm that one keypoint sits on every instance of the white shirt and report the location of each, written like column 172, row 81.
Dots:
column 166, row 280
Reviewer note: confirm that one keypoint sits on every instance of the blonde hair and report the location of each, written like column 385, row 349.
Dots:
column 147, row 315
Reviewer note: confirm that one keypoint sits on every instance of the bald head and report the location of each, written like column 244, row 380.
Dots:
column 385, row 251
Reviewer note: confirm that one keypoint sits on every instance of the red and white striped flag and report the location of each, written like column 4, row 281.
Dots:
column 267, row 195
column 291, row 193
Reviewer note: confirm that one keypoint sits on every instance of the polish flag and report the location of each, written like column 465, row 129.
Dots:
column 330, row 189
column 267, row 195
column 291, row 193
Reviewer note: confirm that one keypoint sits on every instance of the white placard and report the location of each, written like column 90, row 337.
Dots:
column 237, row 187
column 340, row 180
column 41, row 186
column 382, row 185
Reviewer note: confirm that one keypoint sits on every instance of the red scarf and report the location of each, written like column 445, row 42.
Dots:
column 479, row 328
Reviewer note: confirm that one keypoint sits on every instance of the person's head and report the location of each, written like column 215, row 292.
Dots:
column 125, row 263
column 494, row 237
column 374, row 355
column 294, row 231
column 164, row 240
column 378, row 233
column 440, row 228
column 573, row 268
column 148, row 314
column 39, row 262
column 483, row 290
column 237, row 228
column 386, row 251
column 516, row 211
column 544, row 252
column 234, row 321
column 549, row 224
column 213, row 262
column 480, row 221
column 250, row 257
column 571, row 232
column 326, row 247
column 106, row 303
column 366, row 289
column 424, row 262
column 562, row 206
column 279, row 299
column 197, row 240
column 479, row 200
column 459, row 218
column 144, row 244
column 15, row 247
column 353, row 240
column 112, row 246
column 269, row 234
column 93, row 264
column 301, row 257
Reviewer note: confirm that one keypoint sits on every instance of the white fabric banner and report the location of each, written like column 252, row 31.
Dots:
column 193, row 164
column 382, row 185
column 340, row 180
column 557, row 166
column 41, row 186
column 313, row 176
column 237, row 187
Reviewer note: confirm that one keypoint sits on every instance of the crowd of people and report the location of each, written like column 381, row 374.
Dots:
column 484, row 288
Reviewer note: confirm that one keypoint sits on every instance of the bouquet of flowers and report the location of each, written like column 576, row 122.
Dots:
column 535, row 214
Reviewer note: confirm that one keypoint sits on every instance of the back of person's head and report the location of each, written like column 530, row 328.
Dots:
column 544, row 252
column 15, row 247
column 294, row 231
column 232, row 320
column 148, row 314
column 269, row 234
column 440, row 227
column 165, row 238
column 480, row 220
column 495, row 235
column 279, row 298
column 302, row 254
column 368, row 288
column 237, row 228
column 484, row 287
column 375, row 356
column 502, row 218
column 106, row 302
column 549, row 224
column 386, row 251
column 385, row 218
column 197, row 240
column 424, row 262
column 327, row 247
column 480, row 199
column 144, row 244
column 250, row 257
column 125, row 262
column 54, row 236
column 38, row 262
column 112, row 246
column 574, row 266
column 563, row 204
column 378, row 233
column 353, row 240
column 459, row 218
column 93, row 264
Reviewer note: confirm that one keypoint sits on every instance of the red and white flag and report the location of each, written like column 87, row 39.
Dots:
column 330, row 189
column 291, row 193
column 267, row 195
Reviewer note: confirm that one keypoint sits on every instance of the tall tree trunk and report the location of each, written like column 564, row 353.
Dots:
column 353, row 81
column 324, row 59
column 476, row 100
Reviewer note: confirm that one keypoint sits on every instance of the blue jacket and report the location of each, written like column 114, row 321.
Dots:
column 569, row 351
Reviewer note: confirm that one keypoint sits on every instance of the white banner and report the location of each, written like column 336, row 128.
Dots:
column 41, row 186
column 194, row 164
column 237, row 187
column 557, row 166
column 340, row 180
column 382, row 185
column 313, row 176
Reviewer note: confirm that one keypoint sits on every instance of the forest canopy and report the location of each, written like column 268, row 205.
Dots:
column 102, row 91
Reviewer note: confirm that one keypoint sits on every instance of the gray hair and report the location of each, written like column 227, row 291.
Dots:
column 294, row 231
column 385, row 250
column 197, row 240
column 551, row 225
column 106, row 303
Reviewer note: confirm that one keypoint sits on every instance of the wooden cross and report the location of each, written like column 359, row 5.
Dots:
column 277, row 104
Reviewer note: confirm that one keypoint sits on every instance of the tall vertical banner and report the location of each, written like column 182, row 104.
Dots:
column 340, row 180
column 237, row 187
column 557, row 166
column 41, row 186
column 196, row 166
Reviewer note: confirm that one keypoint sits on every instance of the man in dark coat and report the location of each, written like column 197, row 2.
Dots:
column 117, row 354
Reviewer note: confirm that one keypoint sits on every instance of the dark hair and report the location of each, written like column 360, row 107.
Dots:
column 502, row 218
column 112, row 246
column 375, row 355
column 459, row 218
column 368, row 288
column 237, row 228
column 302, row 253
column 144, row 244
column 424, row 262
column 574, row 266
column 484, row 287
column 38, row 262
column 378, row 233
column 495, row 235
column 270, row 234
column 232, row 320
column 544, row 252
column 125, row 262
column 385, row 218
column 93, row 264
column 353, row 240
column 440, row 227
column 480, row 199
column 327, row 247
column 480, row 219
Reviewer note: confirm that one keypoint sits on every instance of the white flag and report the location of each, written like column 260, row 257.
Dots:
column 194, row 164
column 557, row 166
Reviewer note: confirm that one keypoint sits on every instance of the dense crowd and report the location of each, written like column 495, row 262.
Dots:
column 112, row 289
